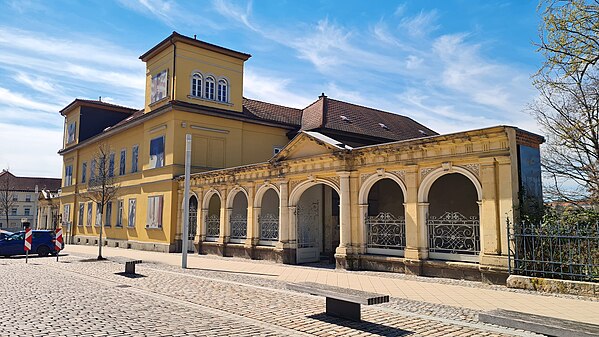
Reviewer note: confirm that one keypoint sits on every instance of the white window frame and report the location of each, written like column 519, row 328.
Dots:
column 154, row 216
column 210, row 82
column 71, row 130
column 132, row 213
column 68, row 175
column 158, row 162
column 197, row 76
column 222, row 97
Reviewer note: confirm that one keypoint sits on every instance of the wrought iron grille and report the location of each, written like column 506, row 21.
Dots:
column 555, row 250
column 308, row 226
column 238, row 224
column 269, row 227
column 454, row 233
column 386, row 231
column 193, row 218
column 212, row 226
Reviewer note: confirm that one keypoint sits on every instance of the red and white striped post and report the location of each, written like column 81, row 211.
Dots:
column 58, row 243
column 27, row 243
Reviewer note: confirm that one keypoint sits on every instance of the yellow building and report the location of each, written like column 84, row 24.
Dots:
column 336, row 181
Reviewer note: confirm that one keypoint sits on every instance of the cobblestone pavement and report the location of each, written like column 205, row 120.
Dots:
column 82, row 297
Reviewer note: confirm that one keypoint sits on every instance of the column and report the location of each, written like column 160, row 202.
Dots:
column 344, row 214
column 415, row 214
column 286, row 216
column 362, row 212
column 250, row 236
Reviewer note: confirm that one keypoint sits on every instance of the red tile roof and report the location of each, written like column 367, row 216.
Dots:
column 79, row 101
column 27, row 184
column 272, row 112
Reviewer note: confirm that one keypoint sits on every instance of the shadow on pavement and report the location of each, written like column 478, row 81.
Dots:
column 130, row 275
column 372, row 328
column 232, row 272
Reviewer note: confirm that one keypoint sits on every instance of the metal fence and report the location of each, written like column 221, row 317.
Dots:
column 555, row 250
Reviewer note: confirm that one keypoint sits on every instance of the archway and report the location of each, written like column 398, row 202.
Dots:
column 453, row 221
column 268, row 220
column 212, row 218
column 385, row 219
column 193, row 222
column 317, row 219
column 238, row 217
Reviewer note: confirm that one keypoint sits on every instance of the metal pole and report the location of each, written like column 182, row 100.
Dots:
column 35, row 222
column 186, row 201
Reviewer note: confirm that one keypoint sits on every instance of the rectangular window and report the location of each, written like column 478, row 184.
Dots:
column 122, row 162
column 92, row 170
column 132, row 211
column 111, row 164
column 83, row 171
column 66, row 216
column 68, row 175
column 154, row 219
column 119, row 214
column 134, row 156
column 81, row 211
column 27, row 211
column 71, row 133
column 157, row 152
column 28, row 197
column 13, row 211
column 98, row 216
column 158, row 86
column 15, row 197
column 89, row 214
column 108, row 222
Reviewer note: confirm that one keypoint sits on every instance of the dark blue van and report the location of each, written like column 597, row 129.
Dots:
column 42, row 243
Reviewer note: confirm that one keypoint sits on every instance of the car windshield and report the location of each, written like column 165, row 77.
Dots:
column 16, row 236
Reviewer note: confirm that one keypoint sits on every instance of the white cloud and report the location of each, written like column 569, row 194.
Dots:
column 237, row 13
column 14, row 99
column 420, row 25
column 170, row 13
column 271, row 89
column 35, row 152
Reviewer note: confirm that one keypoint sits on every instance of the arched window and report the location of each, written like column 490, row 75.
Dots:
column 209, row 92
column 222, row 90
column 196, row 85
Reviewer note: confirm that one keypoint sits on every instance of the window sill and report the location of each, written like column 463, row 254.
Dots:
column 154, row 228
column 209, row 100
column 158, row 101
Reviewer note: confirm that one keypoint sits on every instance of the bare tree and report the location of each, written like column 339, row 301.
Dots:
column 567, row 108
column 101, row 186
column 7, row 194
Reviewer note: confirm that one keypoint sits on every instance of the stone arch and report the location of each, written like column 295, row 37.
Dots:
column 233, row 193
column 428, row 181
column 261, row 191
column 368, row 183
column 297, row 192
column 208, row 195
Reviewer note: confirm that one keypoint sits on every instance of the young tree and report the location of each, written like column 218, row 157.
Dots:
column 567, row 108
column 101, row 186
column 7, row 194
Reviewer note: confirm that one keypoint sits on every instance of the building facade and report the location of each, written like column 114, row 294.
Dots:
column 19, row 198
column 333, row 181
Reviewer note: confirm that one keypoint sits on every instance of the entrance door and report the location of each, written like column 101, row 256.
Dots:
column 193, row 223
column 308, row 233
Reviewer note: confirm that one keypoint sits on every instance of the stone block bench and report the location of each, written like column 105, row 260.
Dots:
column 549, row 326
column 130, row 266
column 340, row 302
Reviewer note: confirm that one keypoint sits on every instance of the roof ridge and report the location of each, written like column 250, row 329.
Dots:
column 369, row 108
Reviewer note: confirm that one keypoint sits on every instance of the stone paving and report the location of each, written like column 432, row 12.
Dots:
column 82, row 297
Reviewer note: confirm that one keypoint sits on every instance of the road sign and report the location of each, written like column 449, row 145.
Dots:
column 27, row 239
column 58, row 242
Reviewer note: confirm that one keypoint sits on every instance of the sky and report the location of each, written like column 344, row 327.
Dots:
column 451, row 65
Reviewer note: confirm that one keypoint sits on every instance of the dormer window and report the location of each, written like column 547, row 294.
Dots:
column 209, row 92
column 384, row 126
column 222, row 90
column 345, row 118
column 196, row 85
column 423, row 133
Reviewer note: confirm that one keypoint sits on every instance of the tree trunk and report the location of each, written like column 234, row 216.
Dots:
column 100, row 241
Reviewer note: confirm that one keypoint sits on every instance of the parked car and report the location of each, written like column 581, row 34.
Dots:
column 4, row 234
column 42, row 243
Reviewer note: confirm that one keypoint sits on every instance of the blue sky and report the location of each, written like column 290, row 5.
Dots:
column 451, row 65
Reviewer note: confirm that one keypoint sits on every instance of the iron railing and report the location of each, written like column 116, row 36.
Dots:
column 554, row 250
column 238, row 223
column 269, row 227
column 385, row 231
column 212, row 226
column 454, row 233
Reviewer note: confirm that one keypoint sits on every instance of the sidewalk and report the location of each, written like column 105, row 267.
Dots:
column 437, row 293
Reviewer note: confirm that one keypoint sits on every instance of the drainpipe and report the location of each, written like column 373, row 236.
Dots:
column 174, row 68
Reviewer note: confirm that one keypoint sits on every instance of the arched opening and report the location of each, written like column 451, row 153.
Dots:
column 317, row 215
column 213, row 218
column 209, row 88
column 268, row 220
column 222, row 92
column 196, row 85
column 453, row 219
column 385, row 220
column 238, row 219
column 193, row 222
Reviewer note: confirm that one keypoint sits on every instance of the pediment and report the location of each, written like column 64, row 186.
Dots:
column 309, row 144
